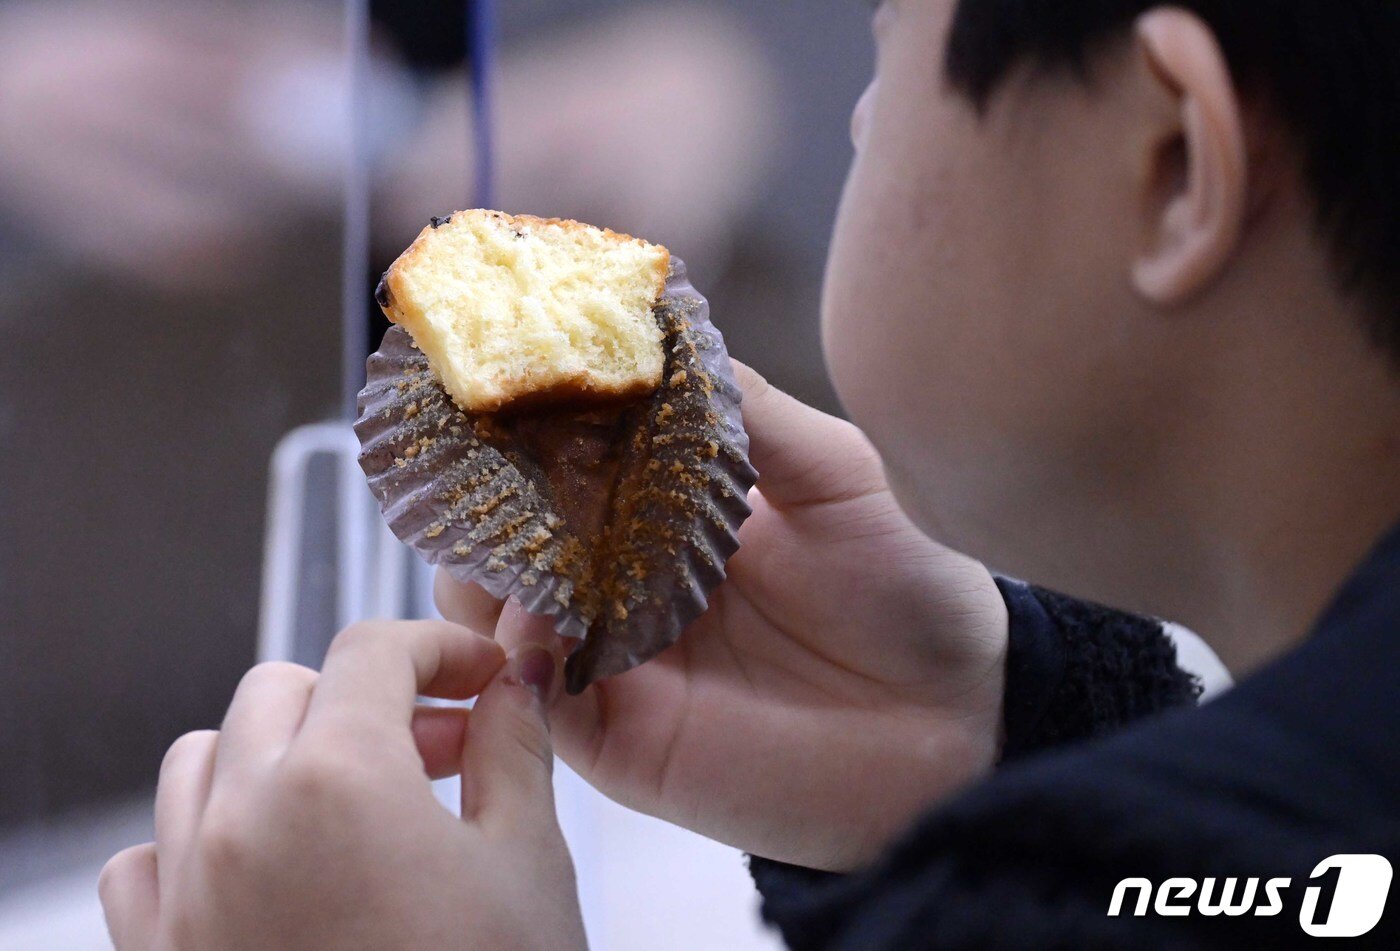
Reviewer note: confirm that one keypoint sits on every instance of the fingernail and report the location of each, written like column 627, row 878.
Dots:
column 532, row 667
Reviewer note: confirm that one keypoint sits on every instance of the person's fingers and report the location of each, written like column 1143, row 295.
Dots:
column 576, row 722
column 439, row 733
column 803, row 456
column 516, row 627
column 263, row 718
column 182, row 792
column 508, row 761
column 130, row 897
column 375, row 670
column 573, row 719
column 466, row 604
column 578, row 726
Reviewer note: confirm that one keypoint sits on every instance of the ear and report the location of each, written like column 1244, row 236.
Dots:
column 1196, row 180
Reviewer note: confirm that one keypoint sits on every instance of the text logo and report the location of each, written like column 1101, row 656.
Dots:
column 1344, row 898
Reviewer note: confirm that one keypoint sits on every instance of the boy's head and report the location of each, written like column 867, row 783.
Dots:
column 1097, row 259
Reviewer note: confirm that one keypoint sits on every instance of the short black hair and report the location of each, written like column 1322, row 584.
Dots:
column 1328, row 69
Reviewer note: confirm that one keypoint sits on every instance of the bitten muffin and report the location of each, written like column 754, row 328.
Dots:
column 514, row 311
column 554, row 418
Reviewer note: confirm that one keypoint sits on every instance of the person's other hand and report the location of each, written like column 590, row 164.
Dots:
column 308, row 820
column 848, row 673
column 145, row 140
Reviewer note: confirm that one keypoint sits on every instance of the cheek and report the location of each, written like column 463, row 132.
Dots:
column 930, row 302
column 896, row 300
column 866, row 301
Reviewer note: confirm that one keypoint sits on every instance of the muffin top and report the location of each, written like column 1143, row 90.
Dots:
column 514, row 311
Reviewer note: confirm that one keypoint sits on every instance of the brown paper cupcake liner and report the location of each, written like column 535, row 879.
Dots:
column 614, row 523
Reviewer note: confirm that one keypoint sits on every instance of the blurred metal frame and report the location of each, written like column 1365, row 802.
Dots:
column 372, row 566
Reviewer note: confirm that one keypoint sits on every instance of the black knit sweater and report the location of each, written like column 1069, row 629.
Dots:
column 1298, row 763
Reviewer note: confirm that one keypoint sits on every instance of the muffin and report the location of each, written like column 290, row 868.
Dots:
column 554, row 417
column 517, row 310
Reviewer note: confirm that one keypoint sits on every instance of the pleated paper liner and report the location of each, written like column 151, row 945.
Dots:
column 616, row 524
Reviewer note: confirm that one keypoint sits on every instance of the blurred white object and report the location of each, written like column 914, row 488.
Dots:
column 1194, row 656
column 61, row 913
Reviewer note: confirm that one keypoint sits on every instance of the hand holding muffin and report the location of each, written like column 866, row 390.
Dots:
column 847, row 673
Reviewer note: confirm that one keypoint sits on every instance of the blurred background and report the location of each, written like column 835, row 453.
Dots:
column 173, row 249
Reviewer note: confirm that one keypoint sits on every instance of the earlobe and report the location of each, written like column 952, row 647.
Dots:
column 1196, row 187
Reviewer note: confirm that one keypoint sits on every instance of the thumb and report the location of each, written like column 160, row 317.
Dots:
column 803, row 456
column 508, row 759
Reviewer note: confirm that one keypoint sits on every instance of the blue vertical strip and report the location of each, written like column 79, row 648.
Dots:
column 355, row 238
column 481, row 52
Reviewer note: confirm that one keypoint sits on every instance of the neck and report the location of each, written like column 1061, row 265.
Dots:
column 1303, row 463
column 1276, row 581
